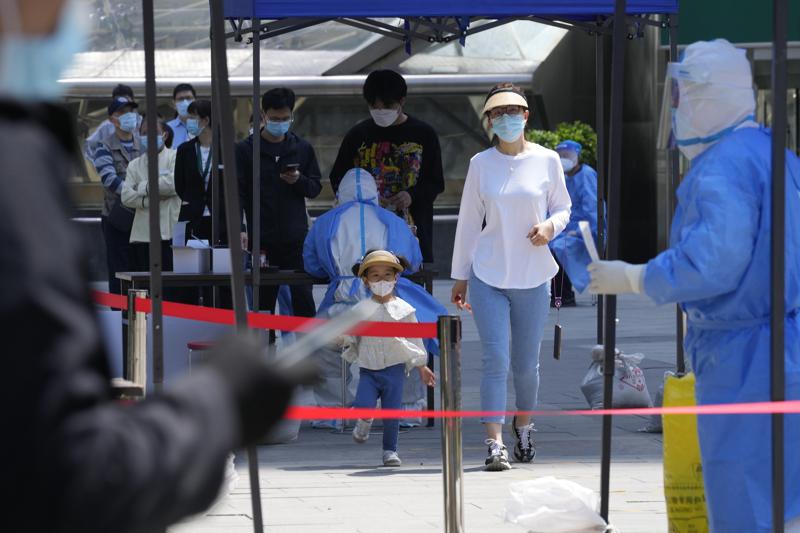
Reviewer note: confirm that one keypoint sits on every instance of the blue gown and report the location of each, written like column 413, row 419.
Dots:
column 718, row 268
column 318, row 260
column 568, row 246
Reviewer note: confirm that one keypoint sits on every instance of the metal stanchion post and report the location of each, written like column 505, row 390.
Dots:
column 452, row 471
column 136, row 363
column 345, row 368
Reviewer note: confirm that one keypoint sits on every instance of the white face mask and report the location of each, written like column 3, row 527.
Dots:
column 382, row 288
column 567, row 164
column 384, row 117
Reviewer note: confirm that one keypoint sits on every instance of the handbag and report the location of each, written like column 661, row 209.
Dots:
column 120, row 217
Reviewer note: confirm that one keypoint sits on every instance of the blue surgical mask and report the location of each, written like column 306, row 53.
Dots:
column 129, row 121
column 183, row 106
column 509, row 127
column 143, row 142
column 193, row 127
column 30, row 65
column 278, row 129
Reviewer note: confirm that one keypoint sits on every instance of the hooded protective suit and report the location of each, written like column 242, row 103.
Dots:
column 568, row 246
column 718, row 268
column 339, row 239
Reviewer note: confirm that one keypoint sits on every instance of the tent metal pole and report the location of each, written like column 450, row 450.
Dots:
column 674, row 171
column 153, row 196
column 780, row 14
column 255, row 231
column 232, row 214
column 797, row 121
column 600, row 105
column 612, row 239
column 215, row 162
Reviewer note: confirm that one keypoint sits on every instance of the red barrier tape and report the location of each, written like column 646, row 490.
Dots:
column 422, row 330
column 336, row 413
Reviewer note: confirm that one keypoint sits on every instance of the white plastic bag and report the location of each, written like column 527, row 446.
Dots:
column 552, row 505
column 630, row 387
column 655, row 424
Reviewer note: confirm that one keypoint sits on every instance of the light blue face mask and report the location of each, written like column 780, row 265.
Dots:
column 509, row 127
column 193, row 127
column 128, row 121
column 278, row 129
column 183, row 106
column 30, row 65
column 159, row 142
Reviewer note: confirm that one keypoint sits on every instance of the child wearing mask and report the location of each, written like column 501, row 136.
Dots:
column 383, row 361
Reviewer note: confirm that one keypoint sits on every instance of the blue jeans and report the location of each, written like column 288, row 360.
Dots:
column 386, row 384
column 510, row 324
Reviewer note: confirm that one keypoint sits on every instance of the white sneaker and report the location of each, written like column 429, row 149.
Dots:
column 391, row 458
column 497, row 459
column 361, row 431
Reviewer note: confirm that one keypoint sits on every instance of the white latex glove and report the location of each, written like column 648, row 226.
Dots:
column 615, row 277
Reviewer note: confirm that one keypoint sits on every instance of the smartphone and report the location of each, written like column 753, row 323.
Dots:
column 290, row 167
column 557, row 342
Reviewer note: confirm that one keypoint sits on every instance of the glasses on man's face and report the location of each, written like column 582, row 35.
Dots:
column 511, row 110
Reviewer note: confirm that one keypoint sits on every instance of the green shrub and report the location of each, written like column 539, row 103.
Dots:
column 577, row 131
column 548, row 139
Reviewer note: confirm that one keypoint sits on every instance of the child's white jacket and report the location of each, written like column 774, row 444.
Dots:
column 376, row 353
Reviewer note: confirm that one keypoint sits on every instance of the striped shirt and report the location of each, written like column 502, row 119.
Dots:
column 104, row 164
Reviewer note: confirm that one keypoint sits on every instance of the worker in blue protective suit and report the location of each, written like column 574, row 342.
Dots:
column 339, row 239
column 568, row 247
column 717, row 268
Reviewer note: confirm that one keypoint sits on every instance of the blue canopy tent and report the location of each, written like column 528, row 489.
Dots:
column 445, row 21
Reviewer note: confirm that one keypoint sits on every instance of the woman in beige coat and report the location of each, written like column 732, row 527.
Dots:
column 135, row 195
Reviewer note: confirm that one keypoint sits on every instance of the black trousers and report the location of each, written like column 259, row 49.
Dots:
column 117, row 253
column 288, row 256
column 140, row 262
column 140, row 256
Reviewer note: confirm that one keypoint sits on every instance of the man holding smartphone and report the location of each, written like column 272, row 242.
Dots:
column 289, row 175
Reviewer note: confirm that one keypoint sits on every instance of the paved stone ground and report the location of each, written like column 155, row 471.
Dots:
column 324, row 482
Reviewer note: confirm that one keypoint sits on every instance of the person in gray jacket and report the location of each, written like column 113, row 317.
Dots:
column 111, row 159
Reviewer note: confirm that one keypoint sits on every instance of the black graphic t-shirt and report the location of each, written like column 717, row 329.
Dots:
column 405, row 157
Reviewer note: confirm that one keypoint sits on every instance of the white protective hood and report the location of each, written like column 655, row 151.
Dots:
column 714, row 94
column 359, row 230
column 358, row 185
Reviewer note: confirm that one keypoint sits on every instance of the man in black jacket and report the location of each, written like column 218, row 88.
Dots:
column 401, row 151
column 76, row 460
column 289, row 175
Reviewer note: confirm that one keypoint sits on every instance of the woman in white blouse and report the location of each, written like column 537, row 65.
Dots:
column 514, row 202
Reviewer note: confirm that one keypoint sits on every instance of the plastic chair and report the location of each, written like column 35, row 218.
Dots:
column 199, row 347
